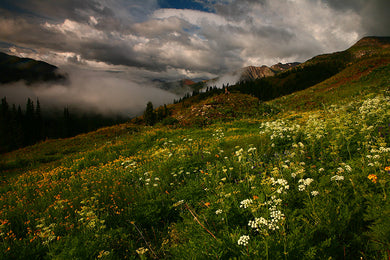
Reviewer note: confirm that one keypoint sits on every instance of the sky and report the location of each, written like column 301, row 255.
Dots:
column 171, row 40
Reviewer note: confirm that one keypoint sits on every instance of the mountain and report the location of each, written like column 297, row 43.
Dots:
column 301, row 176
column 365, row 54
column 282, row 67
column 13, row 68
column 326, row 73
column 248, row 73
column 251, row 73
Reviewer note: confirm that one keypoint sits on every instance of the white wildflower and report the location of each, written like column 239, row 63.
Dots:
column 337, row 178
column 314, row 193
column 246, row 203
column 243, row 240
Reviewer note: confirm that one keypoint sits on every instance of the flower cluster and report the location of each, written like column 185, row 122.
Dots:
column 283, row 184
column 279, row 131
column 373, row 178
column 337, row 178
column 239, row 153
column 218, row 211
column 261, row 224
column 246, row 203
column 88, row 214
column 218, row 134
column 243, row 240
column 315, row 128
column 303, row 183
column 46, row 233
column 315, row 193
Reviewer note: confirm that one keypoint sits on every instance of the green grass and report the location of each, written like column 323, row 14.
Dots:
column 304, row 176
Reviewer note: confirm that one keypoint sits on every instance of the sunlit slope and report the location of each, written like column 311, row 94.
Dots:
column 367, row 76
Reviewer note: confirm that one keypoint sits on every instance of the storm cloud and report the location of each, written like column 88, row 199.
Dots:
column 231, row 34
column 200, row 39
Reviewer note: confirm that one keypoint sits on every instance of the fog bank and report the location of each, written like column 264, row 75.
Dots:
column 107, row 93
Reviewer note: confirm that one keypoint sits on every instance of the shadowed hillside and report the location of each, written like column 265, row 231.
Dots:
column 14, row 69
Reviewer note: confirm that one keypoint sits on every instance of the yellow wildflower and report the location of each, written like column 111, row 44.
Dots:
column 372, row 177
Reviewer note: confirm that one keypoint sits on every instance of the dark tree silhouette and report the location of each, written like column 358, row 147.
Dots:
column 149, row 114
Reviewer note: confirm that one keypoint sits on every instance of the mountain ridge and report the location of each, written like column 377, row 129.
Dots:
column 13, row 69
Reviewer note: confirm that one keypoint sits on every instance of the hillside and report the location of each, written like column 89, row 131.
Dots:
column 355, row 60
column 303, row 176
column 14, row 69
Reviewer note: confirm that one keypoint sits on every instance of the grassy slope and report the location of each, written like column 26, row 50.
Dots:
column 109, row 193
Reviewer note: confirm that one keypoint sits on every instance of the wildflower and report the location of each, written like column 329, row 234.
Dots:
column 246, row 203
column 314, row 193
column 348, row 168
column 178, row 203
column 337, row 178
column 304, row 183
column 141, row 250
column 372, row 177
column 207, row 204
column 252, row 150
column 103, row 253
column 218, row 211
column 243, row 240
column 321, row 169
column 387, row 169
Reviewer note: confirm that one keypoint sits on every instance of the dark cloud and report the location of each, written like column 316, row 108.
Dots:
column 374, row 13
column 54, row 10
column 217, row 37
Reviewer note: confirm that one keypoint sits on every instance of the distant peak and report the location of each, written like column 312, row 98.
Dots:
column 373, row 41
column 188, row 82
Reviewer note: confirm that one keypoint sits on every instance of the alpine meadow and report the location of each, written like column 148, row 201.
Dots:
column 240, row 173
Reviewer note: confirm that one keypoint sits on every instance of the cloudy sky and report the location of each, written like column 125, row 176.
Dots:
column 199, row 39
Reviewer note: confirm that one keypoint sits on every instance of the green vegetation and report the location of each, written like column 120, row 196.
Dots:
column 304, row 176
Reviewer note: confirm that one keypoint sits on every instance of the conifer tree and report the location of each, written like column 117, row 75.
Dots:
column 149, row 115
column 39, row 121
column 29, row 123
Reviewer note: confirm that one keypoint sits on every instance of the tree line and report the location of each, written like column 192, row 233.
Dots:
column 152, row 116
column 20, row 127
column 290, row 81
